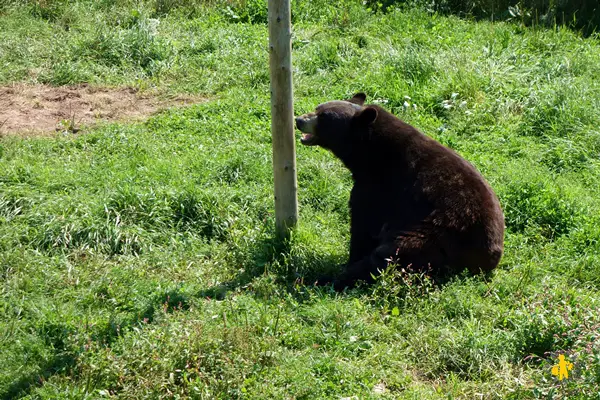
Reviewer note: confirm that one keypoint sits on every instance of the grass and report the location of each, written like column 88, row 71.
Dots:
column 137, row 260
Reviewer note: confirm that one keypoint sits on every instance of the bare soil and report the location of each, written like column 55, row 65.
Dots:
column 41, row 110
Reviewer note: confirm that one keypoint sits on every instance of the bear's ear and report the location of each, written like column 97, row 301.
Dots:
column 358, row 98
column 367, row 116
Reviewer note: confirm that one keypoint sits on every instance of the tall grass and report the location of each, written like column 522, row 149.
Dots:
column 137, row 260
column 581, row 15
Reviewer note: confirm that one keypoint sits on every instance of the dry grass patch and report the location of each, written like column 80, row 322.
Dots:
column 42, row 109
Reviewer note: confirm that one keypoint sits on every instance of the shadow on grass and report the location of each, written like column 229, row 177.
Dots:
column 63, row 359
column 22, row 386
column 272, row 257
column 267, row 252
column 58, row 337
column 275, row 252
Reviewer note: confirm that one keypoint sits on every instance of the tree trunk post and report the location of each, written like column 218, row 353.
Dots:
column 282, row 117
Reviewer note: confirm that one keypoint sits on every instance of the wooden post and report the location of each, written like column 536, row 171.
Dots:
column 282, row 117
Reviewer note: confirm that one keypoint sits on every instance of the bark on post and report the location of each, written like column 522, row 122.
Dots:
column 282, row 117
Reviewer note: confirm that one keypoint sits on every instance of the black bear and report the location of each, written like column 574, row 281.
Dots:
column 414, row 200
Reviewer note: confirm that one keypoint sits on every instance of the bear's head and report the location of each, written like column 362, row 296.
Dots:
column 337, row 125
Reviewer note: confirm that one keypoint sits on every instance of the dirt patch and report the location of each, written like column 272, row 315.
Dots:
column 40, row 109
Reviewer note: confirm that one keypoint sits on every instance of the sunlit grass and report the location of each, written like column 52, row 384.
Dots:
column 138, row 260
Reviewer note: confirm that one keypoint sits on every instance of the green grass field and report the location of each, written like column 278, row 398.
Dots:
column 138, row 260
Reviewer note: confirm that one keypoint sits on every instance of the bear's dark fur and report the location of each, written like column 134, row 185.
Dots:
column 414, row 200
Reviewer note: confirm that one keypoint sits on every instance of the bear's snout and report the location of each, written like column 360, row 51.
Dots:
column 306, row 123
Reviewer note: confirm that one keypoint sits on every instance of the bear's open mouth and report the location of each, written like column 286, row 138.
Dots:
column 308, row 139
